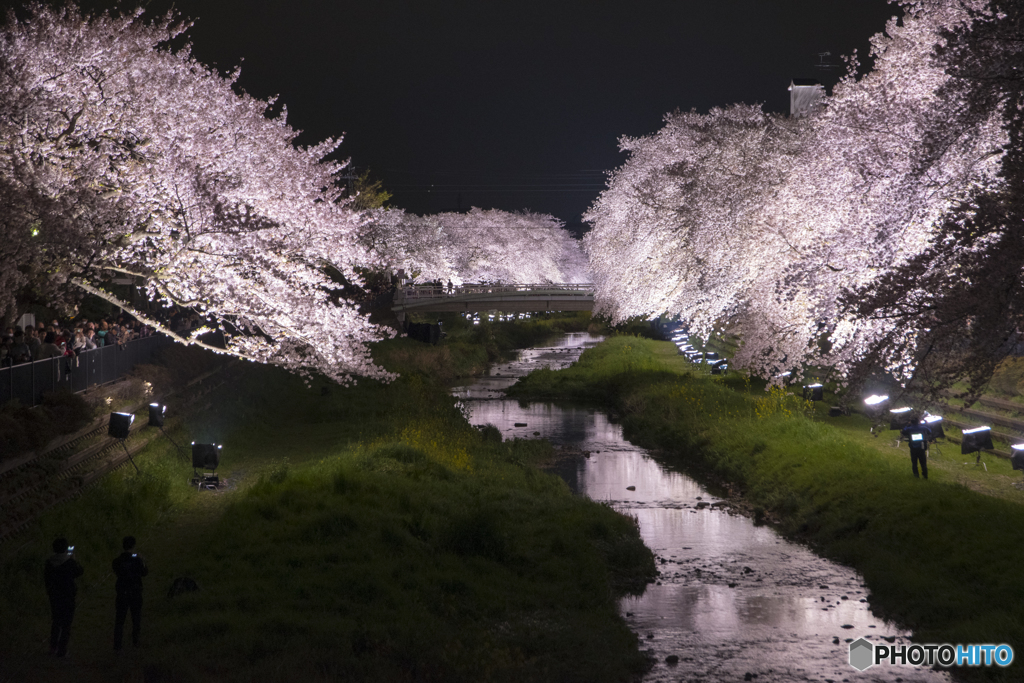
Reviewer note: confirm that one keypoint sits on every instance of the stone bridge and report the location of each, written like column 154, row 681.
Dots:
column 505, row 298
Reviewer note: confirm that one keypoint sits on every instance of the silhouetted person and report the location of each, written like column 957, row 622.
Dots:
column 59, row 574
column 919, row 435
column 129, row 568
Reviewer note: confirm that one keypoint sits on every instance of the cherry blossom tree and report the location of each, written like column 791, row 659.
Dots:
column 962, row 297
column 478, row 246
column 120, row 156
column 773, row 226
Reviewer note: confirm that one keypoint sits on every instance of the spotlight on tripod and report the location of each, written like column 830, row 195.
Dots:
column 873, row 406
column 900, row 418
column 206, row 457
column 157, row 414
column 1017, row 456
column 976, row 439
column 934, row 423
column 120, row 427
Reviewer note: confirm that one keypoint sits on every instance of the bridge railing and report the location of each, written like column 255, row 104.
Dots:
column 435, row 291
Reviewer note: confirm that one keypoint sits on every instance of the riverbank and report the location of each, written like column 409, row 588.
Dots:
column 937, row 557
column 363, row 533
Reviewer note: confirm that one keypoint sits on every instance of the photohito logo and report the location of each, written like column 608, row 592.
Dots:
column 864, row 654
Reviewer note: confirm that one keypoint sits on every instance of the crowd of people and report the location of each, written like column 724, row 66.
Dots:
column 70, row 338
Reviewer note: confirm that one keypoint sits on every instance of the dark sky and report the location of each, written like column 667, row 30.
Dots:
column 514, row 105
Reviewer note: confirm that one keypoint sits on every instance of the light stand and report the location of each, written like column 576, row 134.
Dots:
column 974, row 440
column 873, row 406
column 205, row 456
column 898, row 419
column 120, row 427
column 157, row 414
column 934, row 424
column 1017, row 456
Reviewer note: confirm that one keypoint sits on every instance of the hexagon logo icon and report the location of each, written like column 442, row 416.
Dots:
column 862, row 654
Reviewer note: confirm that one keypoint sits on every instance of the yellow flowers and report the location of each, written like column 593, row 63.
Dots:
column 450, row 449
column 777, row 401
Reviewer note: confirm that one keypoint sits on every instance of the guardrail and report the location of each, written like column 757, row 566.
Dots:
column 28, row 382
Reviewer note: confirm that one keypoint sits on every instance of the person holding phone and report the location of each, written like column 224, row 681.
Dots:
column 129, row 568
column 59, row 574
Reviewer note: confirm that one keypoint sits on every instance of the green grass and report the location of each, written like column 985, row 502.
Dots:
column 938, row 557
column 367, row 533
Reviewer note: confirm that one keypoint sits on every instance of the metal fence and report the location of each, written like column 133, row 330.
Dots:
column 28, row 382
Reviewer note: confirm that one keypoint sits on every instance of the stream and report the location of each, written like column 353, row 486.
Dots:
column 734, row 601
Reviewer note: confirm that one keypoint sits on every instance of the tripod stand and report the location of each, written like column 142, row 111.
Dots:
column 129, row 454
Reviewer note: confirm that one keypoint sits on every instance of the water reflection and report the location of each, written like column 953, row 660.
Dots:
column 732, row 598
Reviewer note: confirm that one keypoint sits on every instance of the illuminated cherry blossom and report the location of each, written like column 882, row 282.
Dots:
column 123, row 157
column 765, row 224
column 478, row 246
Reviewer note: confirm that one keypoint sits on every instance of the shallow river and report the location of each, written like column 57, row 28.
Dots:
column 734, row 601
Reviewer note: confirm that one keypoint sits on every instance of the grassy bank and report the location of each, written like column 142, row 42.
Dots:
column 938, row 557
column 365, row 533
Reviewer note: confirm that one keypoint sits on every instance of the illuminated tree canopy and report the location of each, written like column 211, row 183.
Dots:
column 120, row 156
column 849, row 239
column 478, row 246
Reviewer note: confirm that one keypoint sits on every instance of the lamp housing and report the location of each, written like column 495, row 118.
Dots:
column 157, row 413
column 875, row 402
column 120, row 425
column 934, row 423
column 1017, row 456
column 976, row 439
column 814, row 392
column 900, row 418
column 205, row 456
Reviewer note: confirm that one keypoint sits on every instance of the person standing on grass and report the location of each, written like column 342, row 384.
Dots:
column 59, row 575
column 129, row 568
column 918, row 435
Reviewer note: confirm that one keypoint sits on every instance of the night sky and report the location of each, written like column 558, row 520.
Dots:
column 514, row 105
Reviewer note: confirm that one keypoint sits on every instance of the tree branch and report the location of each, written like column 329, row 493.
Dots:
column 155, row 324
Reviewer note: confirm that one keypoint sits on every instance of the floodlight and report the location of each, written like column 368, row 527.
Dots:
column 875, row 400
column 156, row 414
column 900, row 417
column 205, row 456
column 120, row 425
column 934, row 423
column 975, row 440
column 710, row 355
column 1017, row 456
column 814, row 392
column 783, row 375
column 720, row 367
